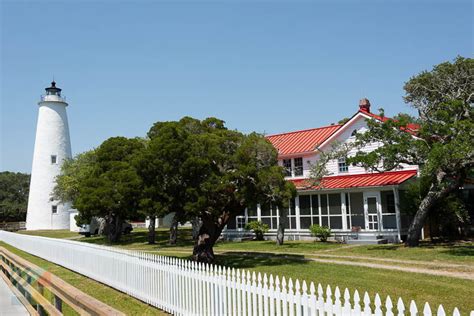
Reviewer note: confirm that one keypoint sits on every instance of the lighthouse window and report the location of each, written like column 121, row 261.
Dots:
column 54, row 209
column 54, row 159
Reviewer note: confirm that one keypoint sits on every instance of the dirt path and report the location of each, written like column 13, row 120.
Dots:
column 413, row 266
column 409, row 262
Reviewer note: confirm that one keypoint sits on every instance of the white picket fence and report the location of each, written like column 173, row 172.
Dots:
column 183, row 287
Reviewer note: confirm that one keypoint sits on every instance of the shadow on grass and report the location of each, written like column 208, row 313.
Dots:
column 465, row 251
column 384, row 247
column 141, row 237
column 249, row 260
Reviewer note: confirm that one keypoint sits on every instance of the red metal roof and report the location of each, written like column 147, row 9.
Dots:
column 301, row 141
column 411, row 128
column 357, row 180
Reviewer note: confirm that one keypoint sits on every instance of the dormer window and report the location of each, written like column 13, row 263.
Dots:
column 342, row 165
column 298, row 166
column 287, row 167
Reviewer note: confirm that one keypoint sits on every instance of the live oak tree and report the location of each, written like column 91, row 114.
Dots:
column 440, row 140
column 237, row 170
column 73, row 172
column 169, row 172
column 201, row 171
column 14, row 188
column 103, row 183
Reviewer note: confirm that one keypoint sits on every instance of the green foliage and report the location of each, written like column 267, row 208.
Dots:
column 449, row 216
column 258, row 228
column 103, row 182
column 439, row 141
column 113, row 186
column 321, row 232
column 169, row 169
column 444, row 130
column 319, row 168
column 73, row 172
column 14, row 188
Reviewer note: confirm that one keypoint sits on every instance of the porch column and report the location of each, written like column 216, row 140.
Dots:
column 397, row 212
column 297, row 214
column 344, row 211
column 259, row 213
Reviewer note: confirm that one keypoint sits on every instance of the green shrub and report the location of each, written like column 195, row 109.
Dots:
column 258, row 228
column 322, row 232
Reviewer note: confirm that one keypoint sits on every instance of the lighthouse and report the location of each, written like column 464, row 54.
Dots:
column 52, row 147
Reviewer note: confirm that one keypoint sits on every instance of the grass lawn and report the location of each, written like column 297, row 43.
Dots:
column 114, row 298
column 63, row 233
column 460, row 253
column 288, row 261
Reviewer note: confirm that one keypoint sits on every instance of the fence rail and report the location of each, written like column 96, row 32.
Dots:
column 184, row 287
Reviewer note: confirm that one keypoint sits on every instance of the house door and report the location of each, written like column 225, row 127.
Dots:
column 372, row 210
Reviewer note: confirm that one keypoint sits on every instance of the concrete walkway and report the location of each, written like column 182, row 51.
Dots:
column 9, row 303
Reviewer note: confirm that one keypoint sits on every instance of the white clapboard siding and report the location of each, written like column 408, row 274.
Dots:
column 183, row 287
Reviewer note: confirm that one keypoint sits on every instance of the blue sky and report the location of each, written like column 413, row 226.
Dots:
column 265, row 66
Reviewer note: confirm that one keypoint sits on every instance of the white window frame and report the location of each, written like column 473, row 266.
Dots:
column 288, row 172
column 376, row 195
column 342, row 165
column 294, row 167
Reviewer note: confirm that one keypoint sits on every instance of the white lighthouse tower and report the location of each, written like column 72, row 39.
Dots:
column 52, row 146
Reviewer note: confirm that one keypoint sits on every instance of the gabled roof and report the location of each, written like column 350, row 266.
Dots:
column 304, row 141
column 301, row 141
column 357, row 180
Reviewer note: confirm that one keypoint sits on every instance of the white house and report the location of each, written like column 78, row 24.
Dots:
column 358, row 206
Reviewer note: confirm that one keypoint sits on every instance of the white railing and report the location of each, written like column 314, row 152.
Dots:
column 184, row 287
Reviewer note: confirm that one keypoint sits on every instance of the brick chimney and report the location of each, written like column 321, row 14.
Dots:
column 364, row 105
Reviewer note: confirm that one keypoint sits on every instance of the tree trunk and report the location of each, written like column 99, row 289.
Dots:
column 280, row 235
column 174, row 231
column 433, row 196
column 114, row 224
column 208, row 234
column 280, row 238
column 103, row 226
column 151, row 230
column 196, row 223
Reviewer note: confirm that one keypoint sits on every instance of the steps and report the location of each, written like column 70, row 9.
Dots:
column 363, row 239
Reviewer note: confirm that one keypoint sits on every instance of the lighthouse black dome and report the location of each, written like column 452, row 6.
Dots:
column 53, row 90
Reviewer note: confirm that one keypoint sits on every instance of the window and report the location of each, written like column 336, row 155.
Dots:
column 287, row 167
column 309, row 210
column 298, row 166
column 241, row 222
column 331, row 210
column 54, row 159
column 291, row 220
column 354, row 133
column 341, row 163
column 236, row 223
column 389, row 218
column 252, row 213
column 54, row 209
column 269, row 215
column 355, row 210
